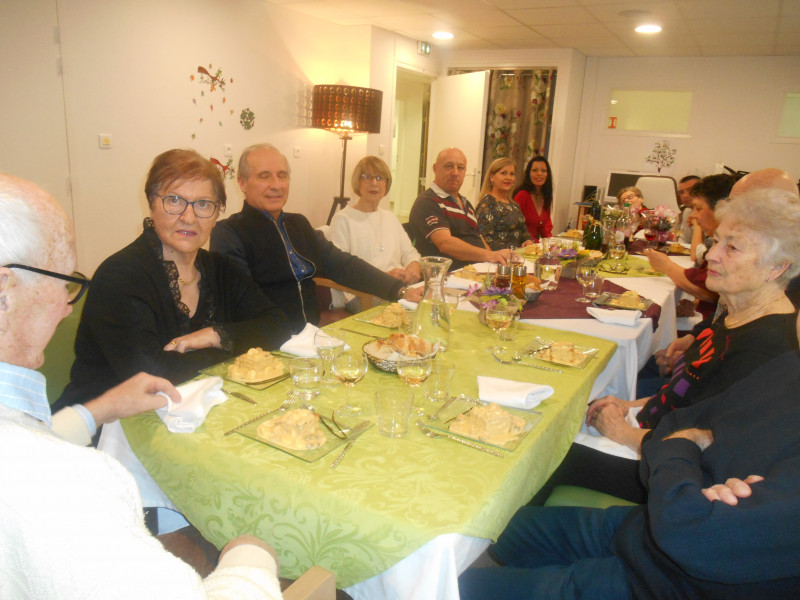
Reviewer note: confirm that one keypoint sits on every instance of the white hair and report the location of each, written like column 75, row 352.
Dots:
column 22, row 238
column 244, row 166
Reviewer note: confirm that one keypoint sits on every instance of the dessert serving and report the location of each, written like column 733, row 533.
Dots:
column 255, row 365
column 391, row 316
column 629, row 299
column 562, row 353
column 297, row 429
column 490, row 424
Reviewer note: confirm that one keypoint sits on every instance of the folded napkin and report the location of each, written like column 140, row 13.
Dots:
column 302, row 344
column 407, row 305
column 516, row 394
column 197, row 398
column 458, row 283
column 615, row 317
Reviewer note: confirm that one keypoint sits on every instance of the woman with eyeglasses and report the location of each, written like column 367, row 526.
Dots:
column 373, row 233
column 163, row 304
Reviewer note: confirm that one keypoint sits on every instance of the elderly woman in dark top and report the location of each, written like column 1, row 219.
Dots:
column 163, row 304
column 500, row 219
column 756, row 254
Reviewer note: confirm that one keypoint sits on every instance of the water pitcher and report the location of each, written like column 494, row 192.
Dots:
column 432, row 321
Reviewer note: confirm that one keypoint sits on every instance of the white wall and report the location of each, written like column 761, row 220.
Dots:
column 127, row 68
column 734, row 116
column 32, row 128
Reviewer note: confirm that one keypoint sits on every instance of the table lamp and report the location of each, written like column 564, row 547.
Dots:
column 345, row 109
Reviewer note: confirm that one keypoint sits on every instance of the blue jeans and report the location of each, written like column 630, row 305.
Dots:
column 553, row 552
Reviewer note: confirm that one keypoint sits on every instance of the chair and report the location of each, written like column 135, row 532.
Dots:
column 60, row 353
column 327, row 314
column 315, row 584
column 659, row 189
column 570, row 495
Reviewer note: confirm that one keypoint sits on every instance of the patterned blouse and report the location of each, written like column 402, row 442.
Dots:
column 501, row 224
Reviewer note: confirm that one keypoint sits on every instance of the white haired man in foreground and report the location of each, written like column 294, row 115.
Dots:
column 71, row 521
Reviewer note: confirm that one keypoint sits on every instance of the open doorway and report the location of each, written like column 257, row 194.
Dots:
column 409, row 140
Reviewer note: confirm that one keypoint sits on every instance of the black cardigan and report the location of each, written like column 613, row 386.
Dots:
column 252, row 239
column 130, row 315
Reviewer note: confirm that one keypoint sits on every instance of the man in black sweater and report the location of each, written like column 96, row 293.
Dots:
column 282, row 251
column 696, row 537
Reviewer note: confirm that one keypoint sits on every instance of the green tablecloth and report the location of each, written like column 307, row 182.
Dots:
column 388, row 497
column 637, row 266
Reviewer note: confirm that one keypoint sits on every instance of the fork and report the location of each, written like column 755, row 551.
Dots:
column 433, row 435
column 286, row 403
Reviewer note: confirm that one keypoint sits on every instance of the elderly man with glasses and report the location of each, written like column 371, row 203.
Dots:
column 71, row 522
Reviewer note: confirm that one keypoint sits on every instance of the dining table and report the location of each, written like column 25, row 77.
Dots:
column 398, row 518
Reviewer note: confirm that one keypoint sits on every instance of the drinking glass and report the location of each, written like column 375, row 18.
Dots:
column 329, row 345
column 585, row 276
column 499, row 318
column 306, row 374
column 595, row 288
column 413, row 372
column 350, row 368
column 616, row 252
column 452, row 299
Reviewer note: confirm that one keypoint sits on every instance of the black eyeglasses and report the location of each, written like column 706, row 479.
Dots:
column 77, row 283
column 175, row 205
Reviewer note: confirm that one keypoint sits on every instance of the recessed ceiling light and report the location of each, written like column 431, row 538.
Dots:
column 443, row 35
column 648, row 29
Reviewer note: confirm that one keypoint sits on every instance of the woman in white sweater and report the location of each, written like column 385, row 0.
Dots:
column 373, row 233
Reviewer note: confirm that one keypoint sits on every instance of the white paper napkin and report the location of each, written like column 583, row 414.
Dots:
column 406, row 304
column 516, row 394
column 615, row 317
column 302, row 344
column 197, row 398
column 458, row 283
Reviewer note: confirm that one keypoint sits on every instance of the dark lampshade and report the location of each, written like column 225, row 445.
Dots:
column 347, row 109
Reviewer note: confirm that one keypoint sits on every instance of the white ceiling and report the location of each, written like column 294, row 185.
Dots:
column 592, row 27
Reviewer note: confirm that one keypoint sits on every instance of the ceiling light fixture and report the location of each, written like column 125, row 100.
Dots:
column 443, row 35
column 648, row 29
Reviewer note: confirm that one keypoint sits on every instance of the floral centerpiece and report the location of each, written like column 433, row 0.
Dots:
column 662, row 220
column 485, row 298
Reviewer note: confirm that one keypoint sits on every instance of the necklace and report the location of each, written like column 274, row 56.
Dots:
column 749, row 313
column 190, row 282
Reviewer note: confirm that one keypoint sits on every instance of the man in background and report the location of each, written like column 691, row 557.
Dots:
column 443, row 221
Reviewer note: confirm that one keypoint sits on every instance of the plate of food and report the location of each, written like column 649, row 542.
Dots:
column 383, row 353
column 489, row 424
column 629, row 300
column 559, row 353
column 297, row 431
column 389, row 316
column 256, row 368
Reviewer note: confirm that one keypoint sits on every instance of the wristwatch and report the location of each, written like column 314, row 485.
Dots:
column 401, row 293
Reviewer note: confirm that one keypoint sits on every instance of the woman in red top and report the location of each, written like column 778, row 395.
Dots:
column 535, row 196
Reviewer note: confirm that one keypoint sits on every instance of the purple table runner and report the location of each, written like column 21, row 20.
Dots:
column 561, row 304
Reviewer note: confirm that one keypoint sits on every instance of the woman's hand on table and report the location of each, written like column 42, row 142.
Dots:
column 527, row 243
column 658, row 260
column 597, row 405
column 197, row 340
column 412, row 273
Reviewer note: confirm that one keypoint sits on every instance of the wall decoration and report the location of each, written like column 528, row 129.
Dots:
column 247, row 118
column 212, row 82
column 227, row 170
column 663, row 155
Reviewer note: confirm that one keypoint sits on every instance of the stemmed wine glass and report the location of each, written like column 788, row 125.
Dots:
column 329, row 345
column 350, row 368
column 585, row 276
column 413, row 372
column 499, row 318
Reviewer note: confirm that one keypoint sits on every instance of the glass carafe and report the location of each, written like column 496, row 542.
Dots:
column 432, row 321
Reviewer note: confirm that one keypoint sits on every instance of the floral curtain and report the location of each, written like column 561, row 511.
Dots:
column 519, row 115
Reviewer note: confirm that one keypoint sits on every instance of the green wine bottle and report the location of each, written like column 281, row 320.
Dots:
column 593, row 236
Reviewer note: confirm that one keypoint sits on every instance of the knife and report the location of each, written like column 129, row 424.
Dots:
column 354, row 433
